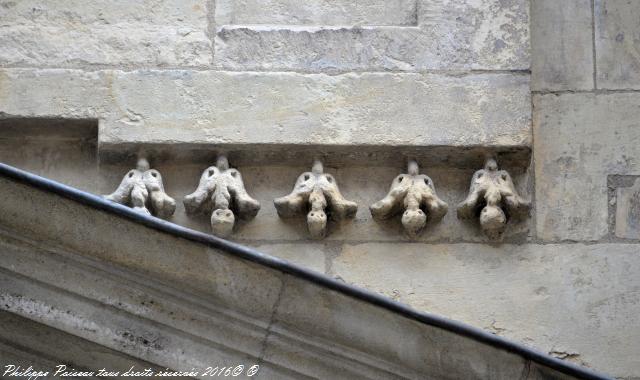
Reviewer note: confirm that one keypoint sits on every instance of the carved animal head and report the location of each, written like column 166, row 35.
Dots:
column 414, row 221
column 493, row 221
column 317, row 223
column 222, row 221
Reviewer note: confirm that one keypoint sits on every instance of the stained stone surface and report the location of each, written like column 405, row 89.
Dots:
column 311, row 256
column 317, row 12
column 451, row 35
column 617, row 40
column 627, row 218
column 580, row 139
column 520, row 287
column 98, row 33
column 561, row 45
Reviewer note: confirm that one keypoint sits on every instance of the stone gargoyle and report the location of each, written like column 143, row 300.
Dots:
column 414, row 195
column 316, row 194
column 494, row 199
column 222, row 192
column 142, row 189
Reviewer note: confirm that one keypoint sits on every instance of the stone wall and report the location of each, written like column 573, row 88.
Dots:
column 366, row 85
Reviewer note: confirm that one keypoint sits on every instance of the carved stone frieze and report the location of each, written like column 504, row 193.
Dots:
column 316, row 194
column 494, row 199
column 414, row 196
column 221, row 191
column 142, row 189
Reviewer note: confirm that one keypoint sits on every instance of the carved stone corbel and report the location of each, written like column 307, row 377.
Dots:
column 221, row 191
column 494, row 199
column 414, row 196
column 142, row 189
column 316, row 194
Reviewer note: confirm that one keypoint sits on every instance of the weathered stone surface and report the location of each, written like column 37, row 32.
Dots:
column 627, row 208
column 561, row 45
column 311, row 256
column 347, row 325
column 580, row 139
column 60, row 149
column 520, row 288
column 250, row 108
column 53, row 347
column 318, row 109
column 453, row 35
column 323, row 49
column 56, row 93
column 487, row 34
column 317, row 49
column 617, row 35
column 122, row 33
column 317, row 12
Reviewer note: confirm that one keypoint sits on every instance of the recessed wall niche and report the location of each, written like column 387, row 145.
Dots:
column 64, row 150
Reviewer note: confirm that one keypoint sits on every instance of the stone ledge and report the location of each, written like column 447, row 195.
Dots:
column 210, row 108
column 336, row 156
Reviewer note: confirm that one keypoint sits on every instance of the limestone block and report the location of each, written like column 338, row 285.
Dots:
column 580, row 139
column 413, row 195
column 340, row 49
column 56, row 93
column 316, row 12
column 122, row 33
column 521, row 288
column 317, row 49
column 562, row 45
column 292, row 108
column 206, row 107
column 617, row 44
column 471, row 34
column 452, row 35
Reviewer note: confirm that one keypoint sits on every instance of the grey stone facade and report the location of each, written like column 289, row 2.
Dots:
column 549, row 87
